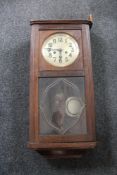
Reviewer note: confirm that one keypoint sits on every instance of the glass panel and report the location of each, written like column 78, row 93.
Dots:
column 62, row 106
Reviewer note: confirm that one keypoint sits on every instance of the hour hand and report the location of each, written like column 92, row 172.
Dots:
column 49, row 49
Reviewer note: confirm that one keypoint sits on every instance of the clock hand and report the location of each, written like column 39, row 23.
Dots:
column 54, row 49
column 60, row 50
column 60, row 55
column 49, row 49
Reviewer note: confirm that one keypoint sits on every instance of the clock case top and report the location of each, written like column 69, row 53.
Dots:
column 79, row 29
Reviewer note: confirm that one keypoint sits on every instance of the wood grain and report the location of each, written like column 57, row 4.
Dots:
column 59, row 146
column 78, row 22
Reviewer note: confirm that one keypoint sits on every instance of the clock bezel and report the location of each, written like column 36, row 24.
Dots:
column 73, row 39
column 77, row 64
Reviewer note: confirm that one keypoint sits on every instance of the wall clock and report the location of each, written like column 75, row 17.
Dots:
column 62, row 112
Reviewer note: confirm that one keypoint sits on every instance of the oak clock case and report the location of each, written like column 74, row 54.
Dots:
column 62, row 113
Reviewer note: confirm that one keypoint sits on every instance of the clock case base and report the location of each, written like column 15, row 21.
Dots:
column 57, row 150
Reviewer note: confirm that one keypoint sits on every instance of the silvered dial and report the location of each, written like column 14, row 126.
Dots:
column 60, row 50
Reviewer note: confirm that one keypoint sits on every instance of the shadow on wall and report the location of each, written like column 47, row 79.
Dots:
column 101, row 156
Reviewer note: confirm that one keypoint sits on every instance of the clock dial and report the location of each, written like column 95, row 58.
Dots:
column 60, row 50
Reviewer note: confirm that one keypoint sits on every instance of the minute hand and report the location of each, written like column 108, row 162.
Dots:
column 54, row 49
column 60, row 50
column 60, row 55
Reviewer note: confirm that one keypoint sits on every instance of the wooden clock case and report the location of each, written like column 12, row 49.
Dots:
column 57, row 146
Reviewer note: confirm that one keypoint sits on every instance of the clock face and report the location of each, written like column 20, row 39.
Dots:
column 60, row 50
